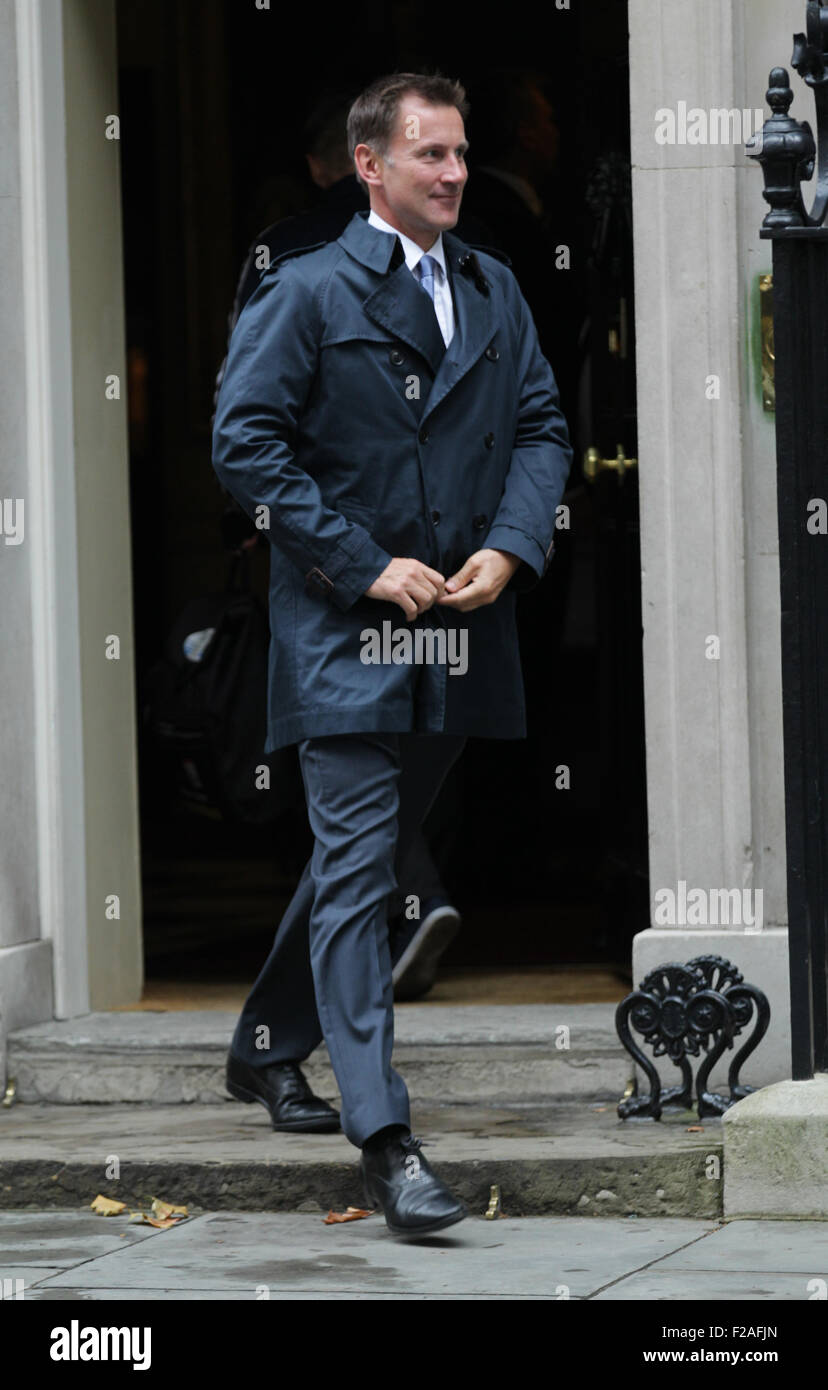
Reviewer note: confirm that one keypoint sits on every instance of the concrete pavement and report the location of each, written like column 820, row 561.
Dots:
column 61, row 1255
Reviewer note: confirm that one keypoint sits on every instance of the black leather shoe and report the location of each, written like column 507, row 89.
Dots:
column 283, row 1089
column 400, row 1182
column 416, row 948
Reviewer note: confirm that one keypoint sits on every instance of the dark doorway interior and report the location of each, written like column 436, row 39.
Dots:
column 213, row 100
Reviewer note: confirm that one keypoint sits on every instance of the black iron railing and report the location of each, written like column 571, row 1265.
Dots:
column 789, row 154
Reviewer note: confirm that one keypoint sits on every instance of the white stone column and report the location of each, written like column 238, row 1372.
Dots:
column 68, row 795
column 26, row 825
column 709, row 549
column 104, row 572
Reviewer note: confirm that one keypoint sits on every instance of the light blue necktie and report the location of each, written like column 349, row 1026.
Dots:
column 425, row 267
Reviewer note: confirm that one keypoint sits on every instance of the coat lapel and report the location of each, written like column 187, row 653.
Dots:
column 400, row 306
column 475, row 323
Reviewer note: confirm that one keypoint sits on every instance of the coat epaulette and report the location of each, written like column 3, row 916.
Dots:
column 288, row 255
column 490, row 251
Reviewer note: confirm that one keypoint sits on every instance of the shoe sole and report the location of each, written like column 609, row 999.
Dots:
column 322, row 1126
column 427, row 1230
column 371, row 1204
column 414, row 972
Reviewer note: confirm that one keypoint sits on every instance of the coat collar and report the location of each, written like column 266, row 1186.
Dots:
column 399, row 306
column 372, row 248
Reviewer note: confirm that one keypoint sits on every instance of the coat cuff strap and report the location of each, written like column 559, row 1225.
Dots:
column 535, row 563
column 346, row 577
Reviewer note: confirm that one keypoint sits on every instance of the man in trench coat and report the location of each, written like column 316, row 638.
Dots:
column 387, row 416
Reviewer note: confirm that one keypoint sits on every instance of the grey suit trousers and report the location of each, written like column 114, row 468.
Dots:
column 329, row 970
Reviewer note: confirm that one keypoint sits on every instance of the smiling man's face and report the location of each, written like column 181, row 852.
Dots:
column 418, row 185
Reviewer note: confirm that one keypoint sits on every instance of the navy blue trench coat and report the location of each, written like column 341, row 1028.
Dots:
column 347, row 429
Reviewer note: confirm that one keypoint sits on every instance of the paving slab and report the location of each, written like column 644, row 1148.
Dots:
column 61, row 1238
column 29, row 1274
column 73, row 1295
column 270, row 1255
column 293, row 1256
column 44, row 1294
column 692, row 1286
column 741, row 1259
column 573, row 1158
column 800, row 1246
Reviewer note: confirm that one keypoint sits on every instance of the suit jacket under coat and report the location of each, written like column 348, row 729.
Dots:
column 344, row 419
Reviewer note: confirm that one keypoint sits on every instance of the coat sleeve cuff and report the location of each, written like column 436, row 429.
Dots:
column 350, row 575
column 533, row 561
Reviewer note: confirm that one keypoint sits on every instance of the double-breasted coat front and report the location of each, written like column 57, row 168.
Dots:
column 347, row 429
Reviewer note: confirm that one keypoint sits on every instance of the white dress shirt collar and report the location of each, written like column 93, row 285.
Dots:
column 411, row 250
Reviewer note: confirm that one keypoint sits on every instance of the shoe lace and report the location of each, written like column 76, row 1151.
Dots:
column 293, row 1084
column 411, row 1144
column 293, row 1089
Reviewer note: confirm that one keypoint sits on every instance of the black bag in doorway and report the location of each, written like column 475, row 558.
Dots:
column 205, row 705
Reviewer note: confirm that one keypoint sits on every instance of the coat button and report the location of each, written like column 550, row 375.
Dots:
column 423, row 435
column 435, row 516
column 396, row 357
column 479, row 521
column 492, row 353
column 489, row 441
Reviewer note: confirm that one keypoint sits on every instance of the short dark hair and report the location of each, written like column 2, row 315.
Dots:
column 373, row 115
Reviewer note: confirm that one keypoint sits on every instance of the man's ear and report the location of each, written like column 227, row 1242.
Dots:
column 368, row 164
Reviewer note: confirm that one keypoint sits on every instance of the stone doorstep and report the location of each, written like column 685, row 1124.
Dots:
column 572, row 1158
column 162, row 1078
column 469, row 1053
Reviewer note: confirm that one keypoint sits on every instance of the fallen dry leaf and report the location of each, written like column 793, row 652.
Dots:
column 164, row 1215
column 694, row 1129
column 163, row 1209
column 163, row 1223
column 352, row 1214
column 106, row 1206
